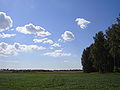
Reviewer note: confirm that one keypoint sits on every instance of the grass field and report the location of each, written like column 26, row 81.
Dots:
column 59, row 81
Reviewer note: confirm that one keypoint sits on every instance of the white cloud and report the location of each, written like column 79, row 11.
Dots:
column 27, row 47
column 7, row 50
column 56, row 45
column 68, row 36
column 10, row 50
column 60, row 40
column 82, row 22
column 32, row 29
column 43, row 33
column 44, row 40
column 39, row 40
column 48, row 41
column 3, row 35
column 57, row 53
column 5, row 22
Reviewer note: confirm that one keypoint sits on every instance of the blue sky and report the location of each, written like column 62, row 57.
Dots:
column 61, row 22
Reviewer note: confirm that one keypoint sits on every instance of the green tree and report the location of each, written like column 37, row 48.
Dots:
column 104, row 54
column 113, row 37
column 87, row 60
column 109, row 63
column 98, row 52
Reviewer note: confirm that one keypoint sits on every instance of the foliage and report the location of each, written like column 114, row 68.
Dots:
column 105, row 51
column 86, row 60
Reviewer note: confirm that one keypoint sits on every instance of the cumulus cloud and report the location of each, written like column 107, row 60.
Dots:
column 43, row 33
column 32, row 29
column 44, row 40
column 7, row 50
column 27, row 47
column 82, row 22
column 57, row 53
column 68, row 36
column 56, row 45
column 3, row 35
column 10, row 50
column 48, row 41
column 39, row 40
column 5, row 22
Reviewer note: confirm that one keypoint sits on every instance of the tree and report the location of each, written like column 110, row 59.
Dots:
column 104, row 54
column 98, row 52
column 87, row 61
column 113, row 37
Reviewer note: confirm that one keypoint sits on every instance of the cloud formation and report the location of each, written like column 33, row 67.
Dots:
column 3, row 35
column 10, row 50
column 39, row 40
column 56, row 45
column 68, row 36
column 32, row 29
column 44, row 40
column 5, row 22
column 57, row 53
column 82, row 22
column 49, row 41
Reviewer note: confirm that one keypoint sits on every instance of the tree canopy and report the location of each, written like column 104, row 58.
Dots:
column 104, row 54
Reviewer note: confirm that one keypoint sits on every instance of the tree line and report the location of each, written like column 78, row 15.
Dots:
column 104, row 54
column 36, row 70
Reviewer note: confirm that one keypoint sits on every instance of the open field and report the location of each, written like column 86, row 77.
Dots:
column 59, row 81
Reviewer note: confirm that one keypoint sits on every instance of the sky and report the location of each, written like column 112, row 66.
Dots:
column 51, row 34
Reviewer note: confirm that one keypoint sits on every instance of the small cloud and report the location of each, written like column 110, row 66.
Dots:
column 48, row 41
column 32, row 29
column 3, row 35
column 44, row 40
column 56, row 45
column 57, row 53
column 43, row 33
column 67, row 36
column 82, row 22
column 5, row 22
column 60, row 40
column 39, row 40
column 23, row 47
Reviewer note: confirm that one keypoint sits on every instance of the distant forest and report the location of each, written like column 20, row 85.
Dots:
column 35, row 70
column 104, row 54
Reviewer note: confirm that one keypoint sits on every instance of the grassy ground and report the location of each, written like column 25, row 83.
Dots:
column 59, row 81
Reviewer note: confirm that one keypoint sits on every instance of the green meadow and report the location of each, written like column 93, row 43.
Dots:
column 59, row 81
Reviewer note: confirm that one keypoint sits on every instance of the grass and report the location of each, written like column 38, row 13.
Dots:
column 60, row 81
